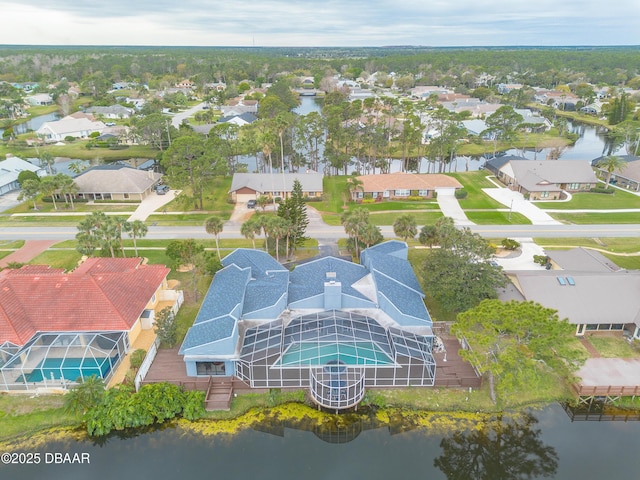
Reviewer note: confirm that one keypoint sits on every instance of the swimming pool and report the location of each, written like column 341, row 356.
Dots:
column 70, row 369
column 352, row 353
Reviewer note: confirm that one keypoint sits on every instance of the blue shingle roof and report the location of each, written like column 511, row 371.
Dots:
column 404, row 299
column 389, row 247
column 208, row 332
column 308, row 280
column 396, row 268
column 260, row 263
column 225, row 293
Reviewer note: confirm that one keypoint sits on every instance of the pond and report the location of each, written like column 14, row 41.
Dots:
column 33, row 123
column 542, row 444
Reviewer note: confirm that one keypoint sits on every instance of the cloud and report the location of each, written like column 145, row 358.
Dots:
column 329, row 23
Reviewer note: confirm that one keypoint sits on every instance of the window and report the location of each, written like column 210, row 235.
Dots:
column 423, row 193
column 153, row 299
column 573, row 186
column 360, row 194
column 126, row 196
column 402, row 192
column 544, row 194
column 386, row 194
column 210, row 368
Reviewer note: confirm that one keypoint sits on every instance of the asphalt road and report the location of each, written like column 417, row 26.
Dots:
column 328, row 232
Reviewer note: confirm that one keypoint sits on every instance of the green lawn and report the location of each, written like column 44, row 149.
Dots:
column 497, row 218
column 613, row 346
column 67, row 259
column 387, row 218
column 182, row 219
column 616, row 246
column 334, row 188
column 597, row 218
column 594, row 201
column 473, row 183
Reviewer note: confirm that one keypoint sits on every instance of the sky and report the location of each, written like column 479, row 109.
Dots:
column 320, row 23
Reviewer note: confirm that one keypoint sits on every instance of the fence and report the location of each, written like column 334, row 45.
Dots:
column 146, row 363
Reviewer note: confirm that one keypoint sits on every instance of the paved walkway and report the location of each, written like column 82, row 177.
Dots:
column 522, row 259
column 30, row 250
column 450, row 207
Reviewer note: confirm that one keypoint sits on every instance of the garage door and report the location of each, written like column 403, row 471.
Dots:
column 245, row 197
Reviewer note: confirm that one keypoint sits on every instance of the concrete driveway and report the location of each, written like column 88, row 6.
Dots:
column 152, row 204
column 9, row 200
column 521, row 259
column 516, row 202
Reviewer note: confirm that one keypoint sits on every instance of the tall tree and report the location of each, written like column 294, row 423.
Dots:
column 428, row 236
column 249, row 229
column 214, row 226
column 49, row 188
column 29, row 190
column 517, row 345
column 405, row 227
column 458, row 275
column 294, row 210
column 354, row 223
column 611, row 164
column 137, row 229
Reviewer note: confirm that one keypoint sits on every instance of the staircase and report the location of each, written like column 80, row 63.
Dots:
column 219, row 394
column 451, row 369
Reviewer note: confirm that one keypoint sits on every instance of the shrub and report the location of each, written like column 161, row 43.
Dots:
column 541, row 260
column 415, row 198
column 69, row 139
column 510, row 244
column 75, row 200
column 608, row 191
column 368, row 200
column 137, row 357
column 461, row 193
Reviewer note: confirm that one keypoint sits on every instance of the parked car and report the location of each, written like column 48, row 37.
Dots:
column 162, row 189
column 251, row 204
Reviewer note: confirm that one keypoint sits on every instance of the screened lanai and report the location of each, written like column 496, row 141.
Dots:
column 57, row 360
column 336, row 353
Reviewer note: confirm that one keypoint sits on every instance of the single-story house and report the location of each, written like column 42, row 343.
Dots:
column 330, row 325
column 627, row 177
column 39, row 99
column 56, row 327
column 116, row 182
column 69, row 126
column 11, row 168
column 398, row 186
column 239, row 120
column 545, row 180
column 585, row 288
column 113, row 111
column 250, row 186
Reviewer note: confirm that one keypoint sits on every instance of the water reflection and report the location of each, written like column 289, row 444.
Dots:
column 504, row 448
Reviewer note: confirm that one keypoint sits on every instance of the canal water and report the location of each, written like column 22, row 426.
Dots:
column 542, row 444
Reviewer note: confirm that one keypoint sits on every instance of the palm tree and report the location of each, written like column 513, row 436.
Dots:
column 46, row 158
column 371, row 235
column 214, row 226
column 354, row 222
column 87, row 395
column 136, row 229
column 405, row 227
column 354, row 184
column 277, row 227
column 67, row 187
column 610, row 164
column 248, row 230
column 121, row 225
column 428, row 235
column 49, row 187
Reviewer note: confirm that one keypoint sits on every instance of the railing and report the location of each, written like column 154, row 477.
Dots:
column 146, row 363
column 607, row 391
column 337, row 390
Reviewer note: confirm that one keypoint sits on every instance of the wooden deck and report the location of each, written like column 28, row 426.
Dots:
column 451, row 370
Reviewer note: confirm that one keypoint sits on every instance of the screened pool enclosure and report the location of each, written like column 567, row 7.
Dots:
column 336, row 354
column 60, row 360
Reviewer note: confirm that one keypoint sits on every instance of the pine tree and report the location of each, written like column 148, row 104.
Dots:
column 294, row 210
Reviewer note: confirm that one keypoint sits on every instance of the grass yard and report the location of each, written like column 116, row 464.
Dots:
column 594, row 201
column 182, row 219
column 67, row 259
column 613, row 346
column 581, row 218
column 387, row 218
column 473, row 183
column 334, row 188
column 619, row 250
column 493, row 217
column 21, row 415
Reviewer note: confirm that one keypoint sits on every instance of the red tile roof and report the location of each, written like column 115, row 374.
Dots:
column 409, row 181
column 102, row 294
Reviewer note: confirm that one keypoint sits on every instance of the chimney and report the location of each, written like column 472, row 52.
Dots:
column 332, row 295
